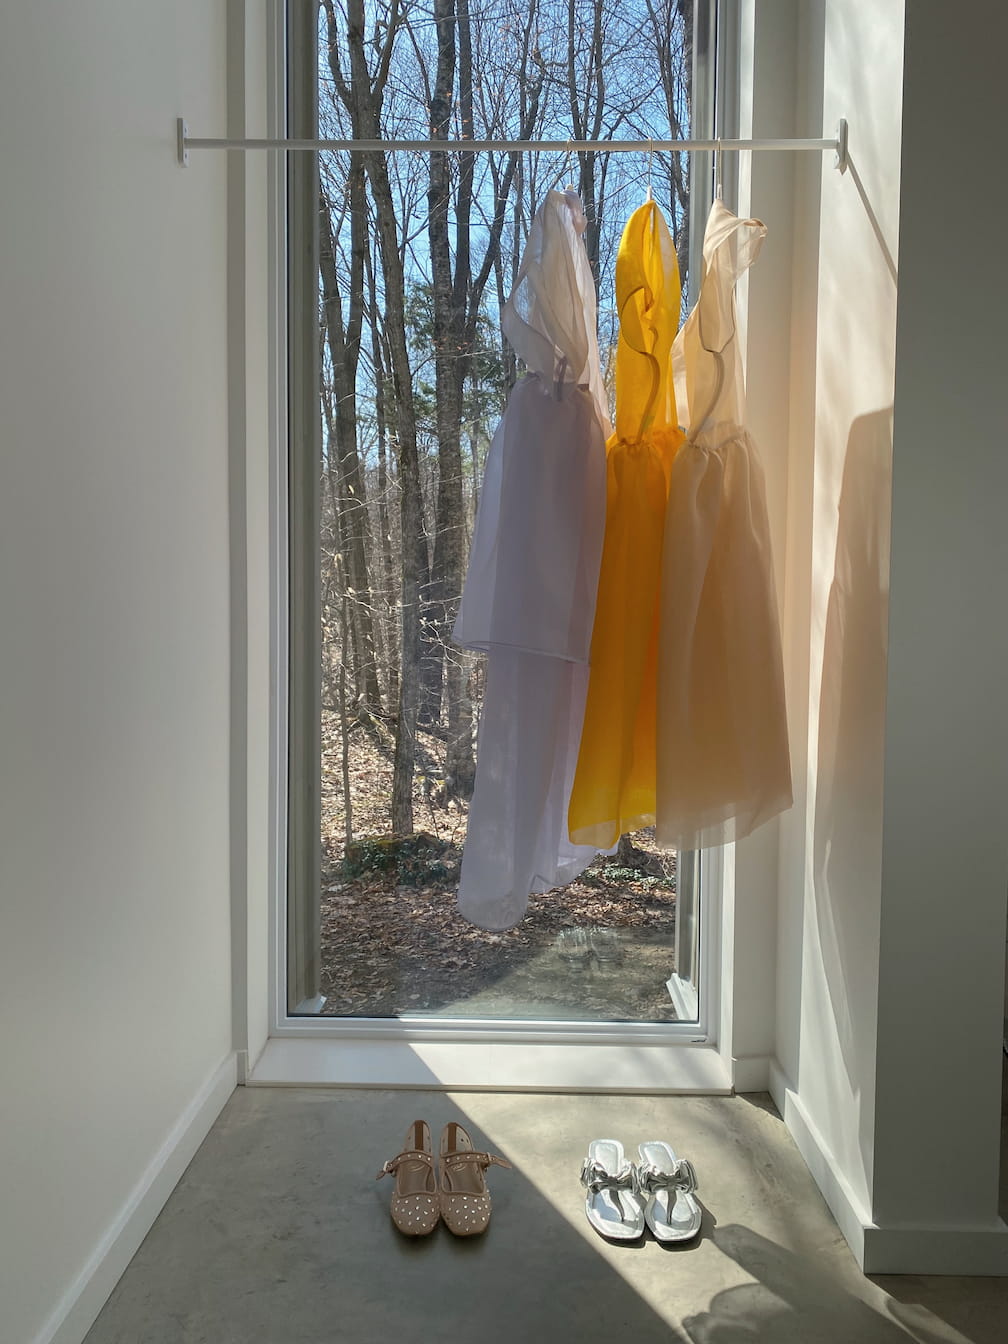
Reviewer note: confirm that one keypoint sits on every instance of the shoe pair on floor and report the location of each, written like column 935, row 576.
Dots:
column 457, row 1193
column 622, row 1196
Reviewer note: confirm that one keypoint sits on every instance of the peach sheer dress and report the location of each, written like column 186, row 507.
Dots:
column 723, row 762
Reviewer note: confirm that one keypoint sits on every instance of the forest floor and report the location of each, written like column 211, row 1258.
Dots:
column 393, row 943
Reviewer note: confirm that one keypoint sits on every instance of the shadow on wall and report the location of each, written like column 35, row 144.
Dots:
column 791, row 1302
column 847, row 853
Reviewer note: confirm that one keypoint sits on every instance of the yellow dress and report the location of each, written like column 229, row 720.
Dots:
column 614, row 784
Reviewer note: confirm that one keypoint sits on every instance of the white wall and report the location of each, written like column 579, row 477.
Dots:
column 883, row 973
column 945, row 837
column 806, row 82
column 834, row 859
column 114, row 600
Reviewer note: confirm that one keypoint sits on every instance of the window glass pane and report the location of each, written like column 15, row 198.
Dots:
column 417, row 253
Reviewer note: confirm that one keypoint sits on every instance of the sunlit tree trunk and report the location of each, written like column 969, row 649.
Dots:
column 586, row 94
column 672, row 42
column 362, row 97
column 344, row 339
column 457, row 292
column 445, row 673
column 390, row 606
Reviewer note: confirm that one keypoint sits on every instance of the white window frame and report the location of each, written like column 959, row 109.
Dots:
column 466, row 1052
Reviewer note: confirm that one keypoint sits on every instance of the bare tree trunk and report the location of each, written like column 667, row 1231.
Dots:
column 672, row 37
column 362, row 100
column 344, row 724
column 452, row 356
column 683, row 171
column 344, row 353
column 456, row 298
column 389, row 603
column 587, row 108
column 332, row 573
column 460, row 760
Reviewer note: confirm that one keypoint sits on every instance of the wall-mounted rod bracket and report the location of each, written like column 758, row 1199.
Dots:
column 840, row 158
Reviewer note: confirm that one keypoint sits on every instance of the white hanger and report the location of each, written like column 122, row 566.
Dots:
column 570, row 185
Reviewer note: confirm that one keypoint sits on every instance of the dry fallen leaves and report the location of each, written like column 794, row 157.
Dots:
column 393, row 941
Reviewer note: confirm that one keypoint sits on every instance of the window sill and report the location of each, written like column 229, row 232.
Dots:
column 669, row 1065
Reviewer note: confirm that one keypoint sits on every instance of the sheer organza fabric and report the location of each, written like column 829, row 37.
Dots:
column 551, row 317
column 529, row 594
column 723, row 764
column 680, row 718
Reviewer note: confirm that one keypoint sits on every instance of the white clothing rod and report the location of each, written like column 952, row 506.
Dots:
column 838, row 144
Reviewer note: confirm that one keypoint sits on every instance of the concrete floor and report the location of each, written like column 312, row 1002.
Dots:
column 278, row 1233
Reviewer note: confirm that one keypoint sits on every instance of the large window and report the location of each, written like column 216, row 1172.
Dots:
column 400, row 264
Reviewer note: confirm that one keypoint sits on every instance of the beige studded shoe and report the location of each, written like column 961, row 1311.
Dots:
column 415, row 1209
column 465, row 1199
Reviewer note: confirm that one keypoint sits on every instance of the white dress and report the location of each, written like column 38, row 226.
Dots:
column 723, row 766
column 529, row 595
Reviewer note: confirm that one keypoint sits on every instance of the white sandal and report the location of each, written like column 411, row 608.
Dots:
column 667, row 1183
column 612, row 1204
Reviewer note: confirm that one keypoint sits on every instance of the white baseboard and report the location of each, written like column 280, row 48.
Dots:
column 977, row 1251
column 750, row 1073
column 894, row 1248
column 75, row 1313
column 851, row 1216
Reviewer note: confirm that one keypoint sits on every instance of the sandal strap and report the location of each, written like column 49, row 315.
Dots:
column 409, row 1155
column 595, row 1177
column 651, row 1179
column 484, row 1160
